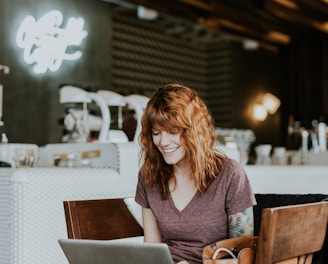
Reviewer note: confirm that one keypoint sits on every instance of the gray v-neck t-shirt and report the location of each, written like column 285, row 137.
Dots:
column 204, row 220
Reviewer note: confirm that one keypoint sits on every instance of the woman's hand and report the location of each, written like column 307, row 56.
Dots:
column 183, row 262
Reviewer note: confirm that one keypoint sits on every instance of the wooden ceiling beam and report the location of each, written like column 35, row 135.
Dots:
column 257, row 19
column 230, row 28
column 251, row 20
column 216, row 16
column 317, row 9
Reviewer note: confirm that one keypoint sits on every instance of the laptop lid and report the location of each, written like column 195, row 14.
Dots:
column 84, row 251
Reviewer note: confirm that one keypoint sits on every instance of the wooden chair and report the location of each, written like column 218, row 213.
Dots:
column 291, row 234
column 288, row 234
column 102, row 219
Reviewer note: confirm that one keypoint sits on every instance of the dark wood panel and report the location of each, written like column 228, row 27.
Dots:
column 146, row 57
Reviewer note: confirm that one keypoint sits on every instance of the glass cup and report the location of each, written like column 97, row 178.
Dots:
column 24, row 157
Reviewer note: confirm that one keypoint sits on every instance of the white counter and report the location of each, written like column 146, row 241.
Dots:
column 300, row 179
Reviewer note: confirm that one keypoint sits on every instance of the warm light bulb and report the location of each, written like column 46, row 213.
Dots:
column 259, row 112
column 271, row 102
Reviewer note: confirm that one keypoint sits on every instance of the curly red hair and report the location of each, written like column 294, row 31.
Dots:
column 177, row 108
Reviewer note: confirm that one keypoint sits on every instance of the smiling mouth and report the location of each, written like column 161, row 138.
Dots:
column 170, row 150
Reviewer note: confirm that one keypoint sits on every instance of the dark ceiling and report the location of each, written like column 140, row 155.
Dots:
column 272, row 23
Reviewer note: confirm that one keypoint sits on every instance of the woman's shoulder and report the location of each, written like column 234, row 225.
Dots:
column 230, row 162
column 231, row 167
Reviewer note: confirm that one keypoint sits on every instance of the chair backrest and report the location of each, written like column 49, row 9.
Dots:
column 102, row 219
column 290, row 234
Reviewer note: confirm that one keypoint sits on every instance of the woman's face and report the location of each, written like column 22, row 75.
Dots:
column 170, row 146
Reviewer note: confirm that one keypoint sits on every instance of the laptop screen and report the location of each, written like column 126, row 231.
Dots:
column 84, row 251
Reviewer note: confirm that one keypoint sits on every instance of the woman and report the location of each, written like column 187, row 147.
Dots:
column 191, row 194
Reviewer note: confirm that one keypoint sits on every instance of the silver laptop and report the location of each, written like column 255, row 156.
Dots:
column 84, row 251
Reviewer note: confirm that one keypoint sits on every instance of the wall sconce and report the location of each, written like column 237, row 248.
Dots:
column 259, row 112
column 269, row 105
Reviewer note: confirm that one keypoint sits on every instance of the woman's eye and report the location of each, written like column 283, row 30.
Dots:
column 155, row 133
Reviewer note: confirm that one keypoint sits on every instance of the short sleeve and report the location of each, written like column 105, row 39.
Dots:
column 141, row 194
column 239, row 194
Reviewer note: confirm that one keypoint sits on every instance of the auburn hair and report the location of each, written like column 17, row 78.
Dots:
column 177, row 108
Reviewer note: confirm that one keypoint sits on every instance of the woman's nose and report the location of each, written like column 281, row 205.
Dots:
column 164, row 140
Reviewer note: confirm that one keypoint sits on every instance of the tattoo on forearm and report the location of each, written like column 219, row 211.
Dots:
column 241, row 223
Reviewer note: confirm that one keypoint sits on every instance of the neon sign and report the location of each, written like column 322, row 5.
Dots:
column 47, row 44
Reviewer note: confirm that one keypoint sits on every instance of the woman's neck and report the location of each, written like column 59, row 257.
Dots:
column 181, row 171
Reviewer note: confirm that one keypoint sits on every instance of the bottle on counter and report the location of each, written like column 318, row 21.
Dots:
column 263, row 154
column 322, row 127
column 279, row 156
column 4, row 151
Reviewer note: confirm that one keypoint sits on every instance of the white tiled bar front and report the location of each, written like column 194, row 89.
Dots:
column 32, row 214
